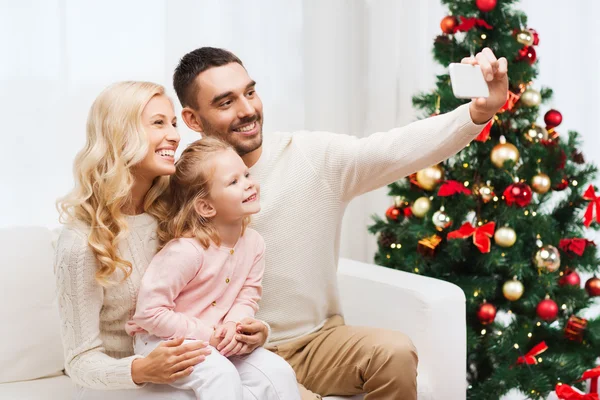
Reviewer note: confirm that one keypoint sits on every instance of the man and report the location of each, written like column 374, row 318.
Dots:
column 307, row 179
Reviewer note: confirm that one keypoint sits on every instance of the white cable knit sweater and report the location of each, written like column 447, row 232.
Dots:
column 307, row 179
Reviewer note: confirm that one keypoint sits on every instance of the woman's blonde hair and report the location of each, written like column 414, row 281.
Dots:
column 190, row 183
column 116, row 141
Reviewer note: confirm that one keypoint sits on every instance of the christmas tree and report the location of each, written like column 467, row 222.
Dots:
column 504, row 219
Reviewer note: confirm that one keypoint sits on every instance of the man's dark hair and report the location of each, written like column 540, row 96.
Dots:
column 194, row 63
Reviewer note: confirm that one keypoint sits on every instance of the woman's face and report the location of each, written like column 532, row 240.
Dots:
column 160, row 123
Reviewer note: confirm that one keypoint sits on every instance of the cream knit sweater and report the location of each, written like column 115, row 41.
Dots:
column 98, row 351
column 307, row 179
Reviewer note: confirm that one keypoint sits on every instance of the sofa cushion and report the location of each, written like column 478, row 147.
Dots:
column 30, row 343
column 55, row 388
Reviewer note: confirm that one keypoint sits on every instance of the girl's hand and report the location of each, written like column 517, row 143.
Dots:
column 168, row 362
column 251, row 332
column 227, row 333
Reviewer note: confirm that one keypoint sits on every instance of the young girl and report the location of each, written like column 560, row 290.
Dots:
column 207, row 278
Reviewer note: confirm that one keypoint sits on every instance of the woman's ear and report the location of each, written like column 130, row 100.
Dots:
column 204, row 208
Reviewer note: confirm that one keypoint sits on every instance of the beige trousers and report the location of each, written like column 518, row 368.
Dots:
column 347, row 360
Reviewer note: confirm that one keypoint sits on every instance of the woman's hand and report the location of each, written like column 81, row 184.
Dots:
column 170, row 361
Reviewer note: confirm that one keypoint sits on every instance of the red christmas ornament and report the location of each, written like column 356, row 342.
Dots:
column 552, row 118
column 562, row 185
column 527, row 53
column 536, row 37
column 486, row 313
column 449, row 24
column 570, row 278
column 393, row 213
column 592, row 286
column 519, row 194
column 486, row 5
column 547, row 310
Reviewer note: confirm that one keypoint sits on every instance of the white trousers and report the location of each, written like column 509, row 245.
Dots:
column 260, row 375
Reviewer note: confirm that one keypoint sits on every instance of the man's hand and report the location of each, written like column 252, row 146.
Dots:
column 495, row 73
column 252, row 333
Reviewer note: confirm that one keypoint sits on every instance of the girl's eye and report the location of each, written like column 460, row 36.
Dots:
column 247, row 174
column 233, row 182
column 159, row 122
column 174, row 124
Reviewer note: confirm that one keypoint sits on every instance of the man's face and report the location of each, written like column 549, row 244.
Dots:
column 229, row 107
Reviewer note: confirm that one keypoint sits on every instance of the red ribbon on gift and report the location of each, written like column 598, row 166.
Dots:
column 450, row 188
column 576, row 245
column 566, row 392
column 484, row 135
column 590, row 195
column 594, row 375
column 529, row 358
column 466, row 24
column 481, row 235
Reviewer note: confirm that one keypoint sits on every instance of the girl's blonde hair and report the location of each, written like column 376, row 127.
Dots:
column 116, row 141
column 190, row 183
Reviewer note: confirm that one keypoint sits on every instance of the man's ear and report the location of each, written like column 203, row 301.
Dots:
column 204, row 208
column 192, row 120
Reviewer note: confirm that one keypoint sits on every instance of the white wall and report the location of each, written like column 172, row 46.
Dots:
column 339, row 65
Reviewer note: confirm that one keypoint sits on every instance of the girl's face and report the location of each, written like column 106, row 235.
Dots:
column 160, row 123
column 233, row 193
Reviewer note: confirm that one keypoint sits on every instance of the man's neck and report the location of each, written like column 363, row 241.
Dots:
column 252, row 158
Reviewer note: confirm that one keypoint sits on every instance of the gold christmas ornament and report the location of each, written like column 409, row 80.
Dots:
column 525, row 37
column 505, row 236
column 540, row 183
column 441, row 220
column 428, row 178
column 548, row 258
column 420, row 207
column 536, row 133
column 399, row 201
column 504, row 152
column 486, row 193
column 531, row 98
column 513, row 289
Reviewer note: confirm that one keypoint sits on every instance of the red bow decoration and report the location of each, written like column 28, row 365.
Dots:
column 594, row 375
column 511, row 100
column 529, row 358
column 450, row 188
column 588, row 217
column 481, row 235
column 566, row 392
column 576, row 245
column 484, row 135
column 466, row 24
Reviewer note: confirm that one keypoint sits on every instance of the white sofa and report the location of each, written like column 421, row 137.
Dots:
column 430, row 311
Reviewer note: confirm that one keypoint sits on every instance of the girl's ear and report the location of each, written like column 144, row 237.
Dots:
column 204, row 208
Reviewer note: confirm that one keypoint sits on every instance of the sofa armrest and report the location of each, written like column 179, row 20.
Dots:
column 430, row 311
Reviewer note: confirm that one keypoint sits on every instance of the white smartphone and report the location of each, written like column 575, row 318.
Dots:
column 468, row 81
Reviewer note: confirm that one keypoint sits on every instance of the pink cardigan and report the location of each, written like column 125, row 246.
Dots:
column 188, row 291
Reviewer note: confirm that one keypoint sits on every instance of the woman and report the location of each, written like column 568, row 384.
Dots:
column 108, row 241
